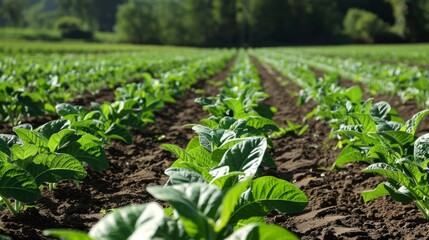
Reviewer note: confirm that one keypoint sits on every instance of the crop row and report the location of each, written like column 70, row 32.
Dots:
column 409, row 83
column 31, row 85
column 60, row 149
column 215, row 187
column 372, row 133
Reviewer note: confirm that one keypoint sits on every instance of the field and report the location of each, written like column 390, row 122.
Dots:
column 123, row 141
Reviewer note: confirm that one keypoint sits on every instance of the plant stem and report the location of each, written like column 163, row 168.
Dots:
column 423, row 207
column 9, row 206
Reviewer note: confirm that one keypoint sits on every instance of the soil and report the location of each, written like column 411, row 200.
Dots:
column 132, row 168
column 336, row 209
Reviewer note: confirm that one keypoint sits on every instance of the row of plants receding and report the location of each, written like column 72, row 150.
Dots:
column 31, row 85
column 409, row 83
column 215, row 188
column 60, row 150
column 372, row 133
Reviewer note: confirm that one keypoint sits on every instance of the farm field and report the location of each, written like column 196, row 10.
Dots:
column 263, row 143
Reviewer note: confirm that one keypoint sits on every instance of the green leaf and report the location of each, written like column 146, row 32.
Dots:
column 393, row 174
column 421, row 148
column 348, row 155
column 368, row 124
column 354, row 94
column 399, row 137
column 195, row 203
column 32, row 137
column 64, row 109
column 230, row 202
column 178, row 151
column 88, row 149
column 122, row 223
column 261, row 122
column 227, row 181
column 246, row 156
column 24, row 152
column 17, row 183
column 269, row 193
column 413, row 124
column 183, row 175
column 381, row 110
column 385, row 189
column 52, row 168
column 66, row 234
column 262, row 231
column 57, row 140
column 5, row 151
column 237, row 107
column 52, row 127
column 119, row 132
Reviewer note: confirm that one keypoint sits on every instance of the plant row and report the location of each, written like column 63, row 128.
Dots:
column 409, row 83
column 61, row 149
column 372, row 133
column 215, row 188
column 31, row 84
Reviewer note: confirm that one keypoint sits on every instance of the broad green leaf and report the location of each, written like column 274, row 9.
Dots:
column 122, row 223
column 64, row 109
column 119, row 132
column 392, row 173
column 237, row 107
column 368, row 124
column 194, row 142
column 67, row 234
column 381, row 110
column 230, row 202
column 348, row 155
column 202, row 156
column 24, row 151
column 52, row 168
column 57, row 140
column 261, row 122
column 413, row 124
column 88, row 150
column 17, row 183
column 421, row 148
column 246, row 156
column 178, row 151
column 354, row 94
column 269, row 193
column 262, row 231
column 5, row 151
column 385, row 189
column 399, row 137
column 227, row 181
column 32, row 137
column 195, row 203
column 196, row 168
column 52, row 127
column 183, row 175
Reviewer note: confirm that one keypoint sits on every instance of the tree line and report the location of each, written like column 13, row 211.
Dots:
column 232, row 22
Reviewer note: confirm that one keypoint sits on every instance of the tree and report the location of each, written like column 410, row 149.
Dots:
column 363, row 25
column 136, row 22
column 12, row 11
column 82, row 9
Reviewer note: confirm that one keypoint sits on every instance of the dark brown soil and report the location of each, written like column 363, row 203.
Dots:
column 336, row 209
column 132, row 168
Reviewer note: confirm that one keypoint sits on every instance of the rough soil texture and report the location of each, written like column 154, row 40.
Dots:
column 132, row 168
column 336, row 209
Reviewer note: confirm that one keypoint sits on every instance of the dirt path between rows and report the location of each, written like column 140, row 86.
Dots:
column 336, row 209
column 132, row 168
